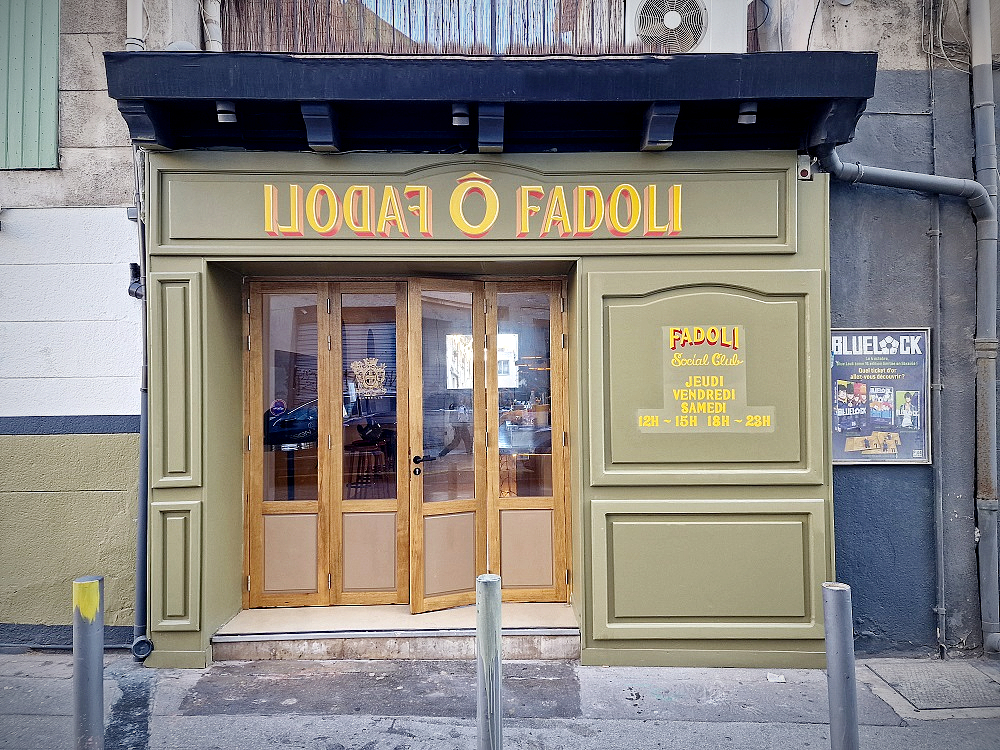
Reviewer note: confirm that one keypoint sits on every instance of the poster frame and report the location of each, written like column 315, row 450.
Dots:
column 926, row 407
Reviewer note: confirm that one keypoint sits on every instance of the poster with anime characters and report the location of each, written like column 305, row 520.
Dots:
column 908, row 409
column 850, row 406
column 881, row 407
column 880, row 380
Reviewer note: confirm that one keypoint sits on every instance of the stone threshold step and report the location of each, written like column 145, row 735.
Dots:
column 549, row 643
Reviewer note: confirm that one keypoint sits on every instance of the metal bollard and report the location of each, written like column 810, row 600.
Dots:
column 88, row 662
column 840, row 676
column 489, row 701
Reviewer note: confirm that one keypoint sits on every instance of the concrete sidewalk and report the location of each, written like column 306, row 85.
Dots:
column 914, row 704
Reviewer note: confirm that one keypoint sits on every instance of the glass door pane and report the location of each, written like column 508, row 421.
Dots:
column 290, row 373
column 448, row 482
column 524, row 391
column 449, row 411
column 370, row 421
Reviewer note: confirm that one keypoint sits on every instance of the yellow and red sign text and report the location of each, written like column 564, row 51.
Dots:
column 475, row 208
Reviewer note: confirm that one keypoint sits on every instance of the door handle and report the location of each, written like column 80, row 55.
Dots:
column 423, row 459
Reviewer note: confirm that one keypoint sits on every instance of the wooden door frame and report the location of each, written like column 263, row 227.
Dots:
column 254, row 595
column 559, row 426
column 409, row 402
column 401, row 505
column 419, row 602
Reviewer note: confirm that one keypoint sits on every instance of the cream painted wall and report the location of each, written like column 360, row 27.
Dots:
column 70, row 344
column 70, row 338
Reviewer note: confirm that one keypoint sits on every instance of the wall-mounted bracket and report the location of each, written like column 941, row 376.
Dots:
column 490, row 128
column 658, row 126
column 321, row 126
column 142, row 124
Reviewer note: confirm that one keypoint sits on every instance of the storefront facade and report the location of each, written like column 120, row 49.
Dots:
column 603, row 376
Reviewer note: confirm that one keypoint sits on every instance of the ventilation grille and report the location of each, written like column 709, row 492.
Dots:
column 671, row 25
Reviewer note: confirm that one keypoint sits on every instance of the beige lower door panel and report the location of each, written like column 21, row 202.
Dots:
column 449, row 554
column 369, row 559
column 290, row 553
column 527, row 544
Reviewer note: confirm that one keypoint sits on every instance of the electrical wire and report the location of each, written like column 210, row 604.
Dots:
column 954, row 54
column 812, row 24
column 767, row 13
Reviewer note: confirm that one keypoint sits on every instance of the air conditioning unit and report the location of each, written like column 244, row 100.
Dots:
column 675, row 26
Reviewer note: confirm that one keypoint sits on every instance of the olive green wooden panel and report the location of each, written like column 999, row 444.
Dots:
column 175, row 388
column 708, row 569
column 223, row 582
column 747, row 580
column 764, row 424
column 266, row 205
column 29, row 84
column 175, row 556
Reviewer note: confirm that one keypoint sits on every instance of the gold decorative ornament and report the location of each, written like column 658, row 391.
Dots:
column 369, row 376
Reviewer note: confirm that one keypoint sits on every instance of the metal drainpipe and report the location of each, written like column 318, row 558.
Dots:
column 135, row 40
column 141, row 645
column 941, row 605
column 211, row 16
column 984, row 114
column 986, row 352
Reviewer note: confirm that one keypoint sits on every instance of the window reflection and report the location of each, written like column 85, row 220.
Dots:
column 291, row 462
column 446, row 326
column 525, row 394
column 369, row 380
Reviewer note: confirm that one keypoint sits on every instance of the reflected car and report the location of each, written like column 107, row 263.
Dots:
column 293, row 430
column 298, row 428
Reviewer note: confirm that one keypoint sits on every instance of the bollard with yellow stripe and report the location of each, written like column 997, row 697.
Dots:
column 88, row 662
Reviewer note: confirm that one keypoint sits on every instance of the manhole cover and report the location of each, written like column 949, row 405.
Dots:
column 929, row 685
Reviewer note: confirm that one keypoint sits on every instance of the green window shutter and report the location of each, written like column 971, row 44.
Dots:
column 29, row 84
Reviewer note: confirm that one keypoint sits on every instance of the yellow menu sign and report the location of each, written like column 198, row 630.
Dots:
column 705, row 383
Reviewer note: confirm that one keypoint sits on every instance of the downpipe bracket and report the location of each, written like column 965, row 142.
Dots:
column 987, row 348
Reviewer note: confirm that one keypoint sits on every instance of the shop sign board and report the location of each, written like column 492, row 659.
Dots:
column 473, row 201
column 880, row 395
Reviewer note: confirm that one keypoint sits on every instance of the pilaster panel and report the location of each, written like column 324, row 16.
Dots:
column 175, row 381
column 176, row 553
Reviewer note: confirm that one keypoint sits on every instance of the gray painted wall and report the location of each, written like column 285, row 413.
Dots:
column 883, row 274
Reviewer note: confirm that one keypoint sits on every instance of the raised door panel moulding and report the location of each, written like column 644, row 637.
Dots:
column 729, row 569
column 709, row 377
column 175, row 599
column 175, row 388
